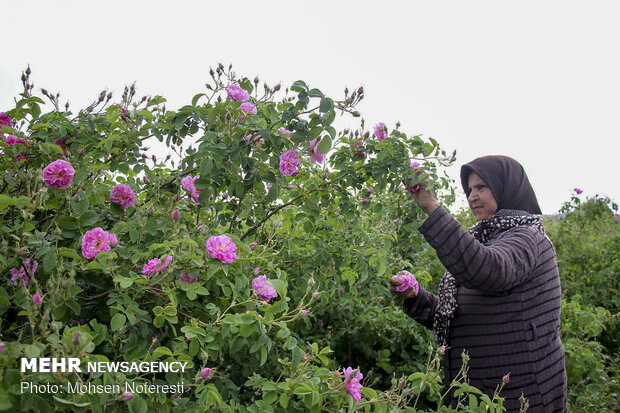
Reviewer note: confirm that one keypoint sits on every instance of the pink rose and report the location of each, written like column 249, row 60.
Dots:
column 189, row 183
column 155, row 265
column 380, row 131
column 237, row 93
column 288, row 163
column 415, row 164
column 352, row 379
column 248, row 108
column 175, row 214
column 284, row 131
column 184, row 277
column 205, row 373
column 95, row 241
column 126, row 396
column 58, row 174
column 36, row 299
column 264, row 291
column 222, row 248
column 407, row 281
column 24, row 275
column 315, row 154
column 12, row 140
column 5, row 120
column 122, row 194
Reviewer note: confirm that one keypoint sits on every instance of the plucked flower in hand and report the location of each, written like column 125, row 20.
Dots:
column 407, row 281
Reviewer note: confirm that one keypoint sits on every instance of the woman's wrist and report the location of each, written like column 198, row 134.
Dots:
column 431, row 208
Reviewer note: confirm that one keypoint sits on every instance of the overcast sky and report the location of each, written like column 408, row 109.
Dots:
column 535, row 80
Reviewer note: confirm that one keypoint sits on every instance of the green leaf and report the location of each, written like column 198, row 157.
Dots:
column 49, row 261
column 279, row 285
column 69, row 253
column 326, row 105
column 88, row 218
column 315, row 93
column 325, row 144
column 124, row 282
column 273, row 193
column 162, row 351
column 117, row 321
column 5, row 201
column 68, row 223
column 299, row 86
column 329, row 117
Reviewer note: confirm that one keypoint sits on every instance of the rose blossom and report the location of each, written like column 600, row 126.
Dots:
column 256, row 270
column 265, row 291
column 184, row 277
column 253, row 245
column 12, row 140
column 237, row 93
column 248, row 108
column 24, row 275
column 284, row 131
column 5, row 120
column 189, row 183
column 205, row 373
column 155, row 265
column 352, row 379
column 288, row 163
column 222, row 248
column 315, row 154
column 175, row 214
column 122, row 194
column 407, row 281
column 415, row 164
column 58, row 174
column 95, row 241
column 380, row 131
column 126, row 396
column 36, row 299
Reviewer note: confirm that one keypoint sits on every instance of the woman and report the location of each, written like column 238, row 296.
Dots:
column 500, row 298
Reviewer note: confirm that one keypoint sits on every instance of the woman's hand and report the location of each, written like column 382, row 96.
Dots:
column 396, row 281
column 425, row 198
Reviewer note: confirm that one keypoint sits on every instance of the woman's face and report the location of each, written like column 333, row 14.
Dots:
column 481, row 200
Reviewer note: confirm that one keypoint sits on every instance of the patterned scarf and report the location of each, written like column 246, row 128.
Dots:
column 483, row 231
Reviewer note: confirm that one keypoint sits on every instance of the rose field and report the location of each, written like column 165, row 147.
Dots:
column 244, row 235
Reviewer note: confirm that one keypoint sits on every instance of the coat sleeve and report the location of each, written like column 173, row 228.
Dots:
column 502, row 265
column 421, row 307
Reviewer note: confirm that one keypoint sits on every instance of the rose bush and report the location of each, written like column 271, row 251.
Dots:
column 118, row 255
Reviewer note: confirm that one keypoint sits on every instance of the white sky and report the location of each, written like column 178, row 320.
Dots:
column 535, row 80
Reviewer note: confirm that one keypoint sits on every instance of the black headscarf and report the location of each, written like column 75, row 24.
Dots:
column 507, row 180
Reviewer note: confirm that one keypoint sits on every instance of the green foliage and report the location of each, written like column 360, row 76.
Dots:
column 587, row 241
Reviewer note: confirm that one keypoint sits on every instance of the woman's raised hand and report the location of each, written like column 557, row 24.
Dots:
column 425, row 198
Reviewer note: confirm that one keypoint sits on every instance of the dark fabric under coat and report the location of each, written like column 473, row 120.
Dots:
column 508, row 315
